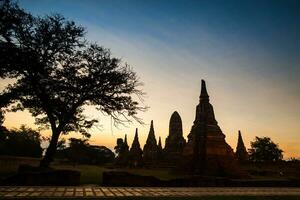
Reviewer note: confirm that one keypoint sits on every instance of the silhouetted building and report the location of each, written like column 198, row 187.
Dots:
column 175, row 141
column 126, row 147
column 207, row 152
column 151, row 150
column 241, row 152
column 135, row 153
column 160, row 156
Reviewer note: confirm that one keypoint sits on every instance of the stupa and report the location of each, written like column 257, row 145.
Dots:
column 151, row 150
column 241, row 152
column 206, row 151
column 135, row 152
column 175, row 141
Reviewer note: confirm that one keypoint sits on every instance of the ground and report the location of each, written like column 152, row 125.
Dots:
column 92, row 174
column 23, row 192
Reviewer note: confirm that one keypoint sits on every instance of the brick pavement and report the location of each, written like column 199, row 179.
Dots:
column 108, row 192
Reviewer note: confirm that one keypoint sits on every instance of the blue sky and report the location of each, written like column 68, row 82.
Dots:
column 247, row 51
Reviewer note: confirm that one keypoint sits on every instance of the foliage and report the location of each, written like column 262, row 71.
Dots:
column 264, row 150
column 122, row 151
column 81, row 152
column 293, row 160
column 121, row 147
column 58, row 72
column 21, row 142
column 1, row 117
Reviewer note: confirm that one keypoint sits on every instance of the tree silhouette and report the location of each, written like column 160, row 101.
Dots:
column 264, row 150
column 1, row 117
column 57, row 73
column 21, row 142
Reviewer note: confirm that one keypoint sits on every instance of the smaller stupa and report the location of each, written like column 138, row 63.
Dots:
column 150, row 151
column 160, row 150
column 241, row 152
column 126, row 147
column 175, row 141
column 135, row 152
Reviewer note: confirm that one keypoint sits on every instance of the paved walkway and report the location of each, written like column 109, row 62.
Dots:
column 106, row 192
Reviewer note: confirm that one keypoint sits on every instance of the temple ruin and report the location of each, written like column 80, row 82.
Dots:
column 174, row 142
column 151, row 149
column 241, row 152
column 205, row 153
column 135, row 158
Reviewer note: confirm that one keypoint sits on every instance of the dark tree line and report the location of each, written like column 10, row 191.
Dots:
column 79, row 151
column 24, row 142
column 57, row 72
column 263, row 149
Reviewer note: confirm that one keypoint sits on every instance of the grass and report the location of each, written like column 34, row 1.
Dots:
column 91, row 174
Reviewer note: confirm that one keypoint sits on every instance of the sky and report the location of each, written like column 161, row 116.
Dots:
column 247, row 51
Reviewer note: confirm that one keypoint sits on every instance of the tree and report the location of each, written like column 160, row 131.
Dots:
column 77, row 150
column 80, row 151
column 121, row 147
column 21, row 142
column 264, row 150
column 1, row 117
column 57, row 73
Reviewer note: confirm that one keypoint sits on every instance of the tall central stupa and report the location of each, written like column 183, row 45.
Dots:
column 207, row 151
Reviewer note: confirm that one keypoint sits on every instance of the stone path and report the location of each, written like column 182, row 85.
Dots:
column 107, row 192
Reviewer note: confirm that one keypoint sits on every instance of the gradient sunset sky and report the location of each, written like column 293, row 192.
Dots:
column 247, row 51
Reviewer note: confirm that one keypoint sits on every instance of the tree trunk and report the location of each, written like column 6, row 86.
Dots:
column 48, row 158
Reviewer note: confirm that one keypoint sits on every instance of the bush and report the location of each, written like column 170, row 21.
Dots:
column 20, row 142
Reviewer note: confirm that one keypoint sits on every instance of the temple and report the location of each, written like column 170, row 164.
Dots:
column 151, row 149
column 160, row 156
column 174, row 142
column 126, row 147
column 241, row 152
column 135, row 152
column 206, row 151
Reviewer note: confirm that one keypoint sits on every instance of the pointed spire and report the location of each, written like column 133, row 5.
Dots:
column 125, row 143
column 151, row 136
column 151, row 127
column 136, row 133
column 150, row 149
column 135, row 153
column 203, row 94
column 241, row 151
column 135, row 143
column 125, row 139
column 159, row 143
column 240, row 139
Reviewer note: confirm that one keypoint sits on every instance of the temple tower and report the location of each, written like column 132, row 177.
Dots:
column 207, row 151
column 126, row 147
column 241, row 152
column 160, row 150
column 159, row 145
column 150, row 151
column 175, row 141
column 135, row 153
